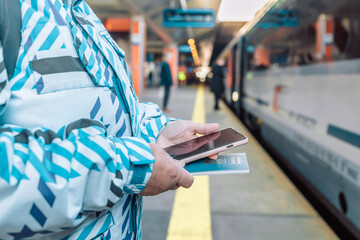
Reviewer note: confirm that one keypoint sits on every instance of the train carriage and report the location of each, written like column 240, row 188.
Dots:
column 294, row 75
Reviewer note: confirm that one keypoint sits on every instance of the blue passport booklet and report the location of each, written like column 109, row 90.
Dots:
column 225, row 164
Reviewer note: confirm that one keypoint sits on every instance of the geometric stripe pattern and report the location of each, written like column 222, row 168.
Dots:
column 38, row 215
column 51, row 176
column 4, row 86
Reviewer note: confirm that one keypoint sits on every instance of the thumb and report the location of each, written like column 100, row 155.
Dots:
column 185, row 179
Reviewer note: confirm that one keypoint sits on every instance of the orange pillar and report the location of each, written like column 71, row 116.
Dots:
column 117, row 24
column 278, row 90
column 171, row 54
column 324, row 37
column 230, row 69
column 138, row 51
column 262, row 56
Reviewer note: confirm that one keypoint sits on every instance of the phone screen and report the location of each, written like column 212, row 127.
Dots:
column 204, row 143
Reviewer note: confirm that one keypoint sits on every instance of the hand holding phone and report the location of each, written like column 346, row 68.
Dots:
column 168, row 174
column 206, row 145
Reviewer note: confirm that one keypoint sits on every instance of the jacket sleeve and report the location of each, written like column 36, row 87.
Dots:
column 152, row 121
column 47, row 179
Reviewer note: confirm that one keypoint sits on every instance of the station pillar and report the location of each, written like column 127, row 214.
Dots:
column 262, row 57
column 324, row 37
column 171, row 54
column 138, row 51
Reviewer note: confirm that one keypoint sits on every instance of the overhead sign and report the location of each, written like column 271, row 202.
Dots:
column 185, row 48
column 277, row 18
column 192, row 17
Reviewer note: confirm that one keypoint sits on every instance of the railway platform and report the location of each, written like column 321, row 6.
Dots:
column 263, row 204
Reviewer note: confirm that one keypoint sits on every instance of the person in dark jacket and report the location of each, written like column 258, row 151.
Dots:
column 217, row 82
column 166, row 81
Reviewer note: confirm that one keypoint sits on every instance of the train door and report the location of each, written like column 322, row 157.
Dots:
column 241, row 68
column 233, row 73
column 229, row 79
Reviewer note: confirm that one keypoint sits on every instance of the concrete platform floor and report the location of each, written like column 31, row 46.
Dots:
column 261, row 205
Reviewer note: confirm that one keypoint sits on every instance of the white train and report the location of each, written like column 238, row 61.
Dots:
column 293, row 74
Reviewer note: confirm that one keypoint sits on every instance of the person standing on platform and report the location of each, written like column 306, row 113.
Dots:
column 166, row 81
column 150, row 69
column 217, row 82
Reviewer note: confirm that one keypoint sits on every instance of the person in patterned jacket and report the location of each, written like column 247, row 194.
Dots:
column 77, row 149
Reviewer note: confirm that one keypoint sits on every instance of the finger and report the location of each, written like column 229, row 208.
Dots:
column 214, row 157
column 185, row 179
column 204, row 128
column 174, row 187
column 181, row 163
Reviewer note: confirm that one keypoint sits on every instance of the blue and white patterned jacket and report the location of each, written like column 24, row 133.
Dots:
column 74, row 140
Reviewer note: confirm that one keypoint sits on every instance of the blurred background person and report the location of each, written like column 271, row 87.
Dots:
column 165, row 80
column 217, row 82
column 150, row 69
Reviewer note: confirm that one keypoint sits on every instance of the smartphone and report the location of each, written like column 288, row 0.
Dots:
column 206, row 145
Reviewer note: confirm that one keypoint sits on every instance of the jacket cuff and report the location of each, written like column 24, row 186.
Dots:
column 141, row 161
column 167, row 121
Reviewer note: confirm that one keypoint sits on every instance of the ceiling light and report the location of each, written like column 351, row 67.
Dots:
column 238, row 10
column 191, row 41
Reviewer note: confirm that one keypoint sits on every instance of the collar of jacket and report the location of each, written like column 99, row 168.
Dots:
column 68, row 3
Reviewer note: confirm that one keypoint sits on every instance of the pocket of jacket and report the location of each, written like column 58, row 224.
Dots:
column 60, row 73
column 56, row 65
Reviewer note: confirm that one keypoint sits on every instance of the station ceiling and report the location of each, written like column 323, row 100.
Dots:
column 152, row 11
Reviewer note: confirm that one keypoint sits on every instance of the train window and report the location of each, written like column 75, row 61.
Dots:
column 341, row 33
column 329, row 32
column 351, row 23
column 250, row 61
column 346, row 31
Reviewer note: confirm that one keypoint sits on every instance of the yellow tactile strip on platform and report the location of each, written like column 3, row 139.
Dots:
column 191, row 217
